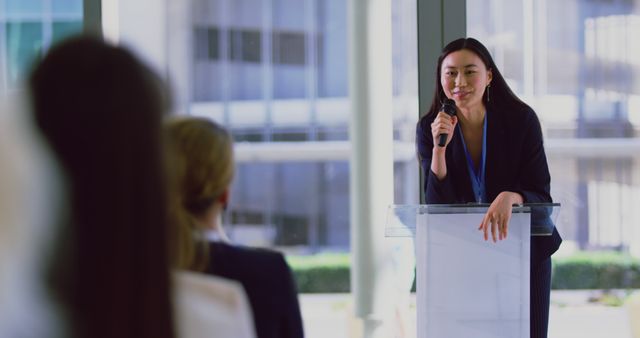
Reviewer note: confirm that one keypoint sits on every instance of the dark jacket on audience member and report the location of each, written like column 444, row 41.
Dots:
column 269, row 285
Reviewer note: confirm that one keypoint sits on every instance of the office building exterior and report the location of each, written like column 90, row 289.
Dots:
column 275, row 72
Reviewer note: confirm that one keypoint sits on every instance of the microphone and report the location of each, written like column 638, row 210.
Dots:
column 449, row 107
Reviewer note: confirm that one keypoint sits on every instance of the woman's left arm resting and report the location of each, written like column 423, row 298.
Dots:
column 532, row 186
column 534, row 180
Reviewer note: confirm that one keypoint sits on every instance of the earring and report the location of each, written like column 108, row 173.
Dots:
column 488, row 93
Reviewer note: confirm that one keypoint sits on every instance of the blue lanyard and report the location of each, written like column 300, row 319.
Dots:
column 477, row 178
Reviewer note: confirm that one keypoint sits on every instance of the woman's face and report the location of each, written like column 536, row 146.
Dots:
column 464, row 78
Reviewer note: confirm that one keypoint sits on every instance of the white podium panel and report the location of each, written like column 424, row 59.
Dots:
column 469, row 287
column 466, row 286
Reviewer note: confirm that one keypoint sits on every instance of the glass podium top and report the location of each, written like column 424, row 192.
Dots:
column 402, row 219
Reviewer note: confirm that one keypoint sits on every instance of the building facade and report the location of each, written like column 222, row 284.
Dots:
column 275, row 72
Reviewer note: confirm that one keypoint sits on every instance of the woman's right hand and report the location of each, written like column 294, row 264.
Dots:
column 443, row 124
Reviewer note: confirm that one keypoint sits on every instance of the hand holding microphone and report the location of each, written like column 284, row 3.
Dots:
column 449, row 108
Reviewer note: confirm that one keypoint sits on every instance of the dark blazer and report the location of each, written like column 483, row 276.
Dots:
column 269, row 285
column 515, row 161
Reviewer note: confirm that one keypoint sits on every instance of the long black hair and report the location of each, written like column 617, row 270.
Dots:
column 501, row 96
column 101, row 109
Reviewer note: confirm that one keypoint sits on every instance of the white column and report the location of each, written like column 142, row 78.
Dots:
column 528, row 50
column 371, row 165
column 179, row 57
column 139, row 25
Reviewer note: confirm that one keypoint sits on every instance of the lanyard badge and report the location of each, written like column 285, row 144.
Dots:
column 477, row 177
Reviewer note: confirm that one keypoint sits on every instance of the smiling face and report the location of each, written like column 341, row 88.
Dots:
column 464, row 78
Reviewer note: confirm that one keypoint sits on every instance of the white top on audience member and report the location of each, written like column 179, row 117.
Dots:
column 28, row 187
column 210, row 307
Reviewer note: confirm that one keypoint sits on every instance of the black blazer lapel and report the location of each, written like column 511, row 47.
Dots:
column 464, row 190
column 498, row 166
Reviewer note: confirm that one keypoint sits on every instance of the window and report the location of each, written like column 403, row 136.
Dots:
column 289, row 48
column 245, row 45
column 22, row 7
column 24, row 45
column 276, row 71
column 207, row 43
column 66, row 6
column 574, row 62
column 331, row 50
column 62, row 29
column 27, row 29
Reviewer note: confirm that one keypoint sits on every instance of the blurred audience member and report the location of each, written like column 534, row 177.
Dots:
column 100, row 110
column 202, row 154
column 211, row 307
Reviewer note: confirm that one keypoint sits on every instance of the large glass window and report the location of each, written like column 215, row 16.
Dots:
column 62, row 29
column 289, row 60
column 18, row 7
column 275, row 72
column 332, row 79
column 67, row 7
column 24, row 43
column 292, row 23
column 575, row 62
column 27, row 29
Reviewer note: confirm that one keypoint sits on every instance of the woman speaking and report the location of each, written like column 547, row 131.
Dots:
column 488, row 148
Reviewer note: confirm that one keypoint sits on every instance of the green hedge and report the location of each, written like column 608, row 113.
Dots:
column 323, row 273
column 596, row 270
column 329, row 273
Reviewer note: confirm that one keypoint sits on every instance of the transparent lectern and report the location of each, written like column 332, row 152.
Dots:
column 466, row 286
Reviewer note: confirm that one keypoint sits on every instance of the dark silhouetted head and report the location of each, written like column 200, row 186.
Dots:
column 100, row 109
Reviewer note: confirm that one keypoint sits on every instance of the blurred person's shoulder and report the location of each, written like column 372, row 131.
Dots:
column 244, row 263
column 206, row 304
column 220, row 250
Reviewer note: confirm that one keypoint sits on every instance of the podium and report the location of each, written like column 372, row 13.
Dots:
column 466, row 286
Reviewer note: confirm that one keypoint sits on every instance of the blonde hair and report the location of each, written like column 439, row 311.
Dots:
column 201, row 168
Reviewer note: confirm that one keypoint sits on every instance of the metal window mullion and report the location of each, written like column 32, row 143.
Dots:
column 311, row 65
column 267, row 66
column 271, row 204
column 92, row 16
column 224, row 44
column 439, row 22
column 47, row 24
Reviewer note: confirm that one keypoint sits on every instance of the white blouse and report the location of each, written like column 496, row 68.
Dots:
column 211, row 307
